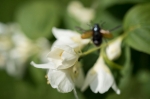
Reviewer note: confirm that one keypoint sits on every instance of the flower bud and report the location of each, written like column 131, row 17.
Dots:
column 113, row 50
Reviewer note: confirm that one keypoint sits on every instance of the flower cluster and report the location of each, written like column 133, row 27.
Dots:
column 16, row 48
column 65, row 70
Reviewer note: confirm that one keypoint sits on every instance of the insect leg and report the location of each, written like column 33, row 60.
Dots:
column 80, row 29
column 115, row 28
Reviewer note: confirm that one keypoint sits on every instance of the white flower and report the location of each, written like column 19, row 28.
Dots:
column 80, row 13
column 64, row 80
column 64, row 70
column 61, row 80
column 68, row 37
column 60, row 57
column 16, row 48
column 100, row 78
column 78, row 76
column 113, row 51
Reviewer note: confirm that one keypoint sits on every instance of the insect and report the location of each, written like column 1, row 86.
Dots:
column 97, row 33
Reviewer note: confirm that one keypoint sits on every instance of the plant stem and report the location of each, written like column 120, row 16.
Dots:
column 75, row 93
column 90, row 51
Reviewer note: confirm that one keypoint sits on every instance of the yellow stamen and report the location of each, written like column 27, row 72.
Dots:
column 46, row 76
column 60, row 54
column 76, row 39
column 48, row 82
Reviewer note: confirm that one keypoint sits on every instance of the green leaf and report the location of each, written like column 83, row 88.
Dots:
column 124, row 59
column 71, row 22
column 109, row 20
column 38, row 18
column 108, row 3
column 137, row 28
column 136, row 87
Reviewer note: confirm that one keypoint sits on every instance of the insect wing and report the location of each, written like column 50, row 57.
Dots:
column 106, row 34
column 87, row 34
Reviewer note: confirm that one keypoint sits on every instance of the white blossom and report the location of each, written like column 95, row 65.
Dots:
column 113, row 50
column 64, row 80
column 69, row 37
column 60, row 57
column 80, row 13
column 61, row 80
column 100, row 78
column 16, row 48
column 64, row 70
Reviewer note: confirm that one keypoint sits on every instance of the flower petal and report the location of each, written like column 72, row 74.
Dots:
column 59, row 79
column 68, row 37
column 65, row 48
column 104, row 75
column 44, row 66
column 59, row 33
column 115, row 88
column 55, row 53
column 55, row 77
column 58, row 43
column 62, row 56
column 66, row 85
column 68, row 60
column 113, row 51
column 85, row 41
column 103, row 79
column 66, row 42
column 106, row 82
column 94, row 84
column 78, row 75
column 89, row 78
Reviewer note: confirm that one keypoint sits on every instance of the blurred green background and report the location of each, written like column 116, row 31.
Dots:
column 36, row 19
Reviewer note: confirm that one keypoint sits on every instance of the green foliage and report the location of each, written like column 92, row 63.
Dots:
column 109, row 21
column 38, row 18
column 70, row 22
column 134, row 87
column 136, row 25
column 108, row 3
column 23, row 89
